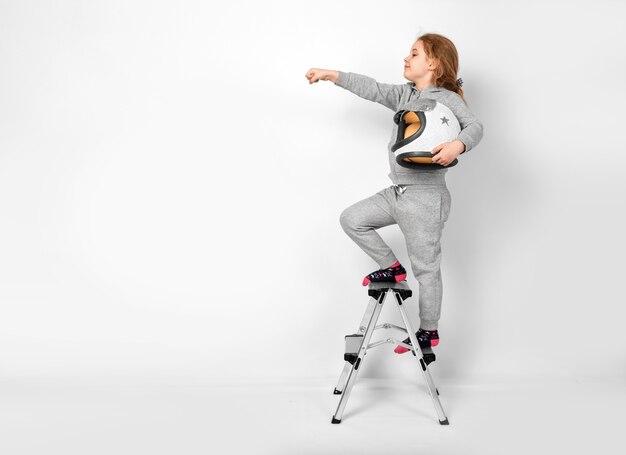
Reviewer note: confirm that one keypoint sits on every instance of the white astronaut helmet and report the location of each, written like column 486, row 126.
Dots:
column 421, row 130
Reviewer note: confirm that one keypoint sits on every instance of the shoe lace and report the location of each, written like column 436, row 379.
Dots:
column 422, row 335
column 381, row 273
column 385, row 273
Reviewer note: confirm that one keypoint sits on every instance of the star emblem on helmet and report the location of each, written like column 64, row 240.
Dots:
column 444, row 120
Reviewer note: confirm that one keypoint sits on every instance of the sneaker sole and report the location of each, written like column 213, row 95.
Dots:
column 398, row 278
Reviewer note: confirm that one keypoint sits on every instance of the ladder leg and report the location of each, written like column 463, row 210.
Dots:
column 434, row 393
column 354, row 369
column 369, row 311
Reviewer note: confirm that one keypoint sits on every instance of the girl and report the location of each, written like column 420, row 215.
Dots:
column 419, row 200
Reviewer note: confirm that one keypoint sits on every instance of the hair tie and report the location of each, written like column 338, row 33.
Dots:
column 459, row 82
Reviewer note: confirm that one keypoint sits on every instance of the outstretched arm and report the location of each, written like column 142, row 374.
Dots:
column 368, row 88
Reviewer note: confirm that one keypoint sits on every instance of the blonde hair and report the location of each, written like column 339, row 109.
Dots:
column 443, row 52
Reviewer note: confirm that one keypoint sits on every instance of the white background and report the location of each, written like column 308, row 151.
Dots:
column 173, row 274
column 171, row 185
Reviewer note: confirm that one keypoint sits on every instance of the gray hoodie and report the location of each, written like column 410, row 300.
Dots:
column 404, row 96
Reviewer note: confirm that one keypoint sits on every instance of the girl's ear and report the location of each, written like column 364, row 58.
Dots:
column 433, row 63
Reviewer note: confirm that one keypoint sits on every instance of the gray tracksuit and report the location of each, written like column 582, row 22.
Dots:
column 419, row 201
column 403, row 96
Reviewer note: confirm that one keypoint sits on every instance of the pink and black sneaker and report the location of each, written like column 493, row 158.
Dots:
column 393, row 274
column 425, row 338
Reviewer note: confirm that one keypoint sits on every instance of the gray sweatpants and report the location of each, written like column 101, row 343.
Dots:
column 420, row 210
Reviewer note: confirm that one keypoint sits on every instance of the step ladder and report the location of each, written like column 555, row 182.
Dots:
column 356, row 345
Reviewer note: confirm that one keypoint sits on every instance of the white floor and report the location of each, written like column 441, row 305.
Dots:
column 382, row 416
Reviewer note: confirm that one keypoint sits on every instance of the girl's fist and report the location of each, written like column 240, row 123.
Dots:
column 318, row 74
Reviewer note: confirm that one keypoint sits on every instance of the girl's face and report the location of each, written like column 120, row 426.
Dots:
column 416, row 65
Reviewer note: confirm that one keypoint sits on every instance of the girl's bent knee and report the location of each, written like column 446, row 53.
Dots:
column 345, row 221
